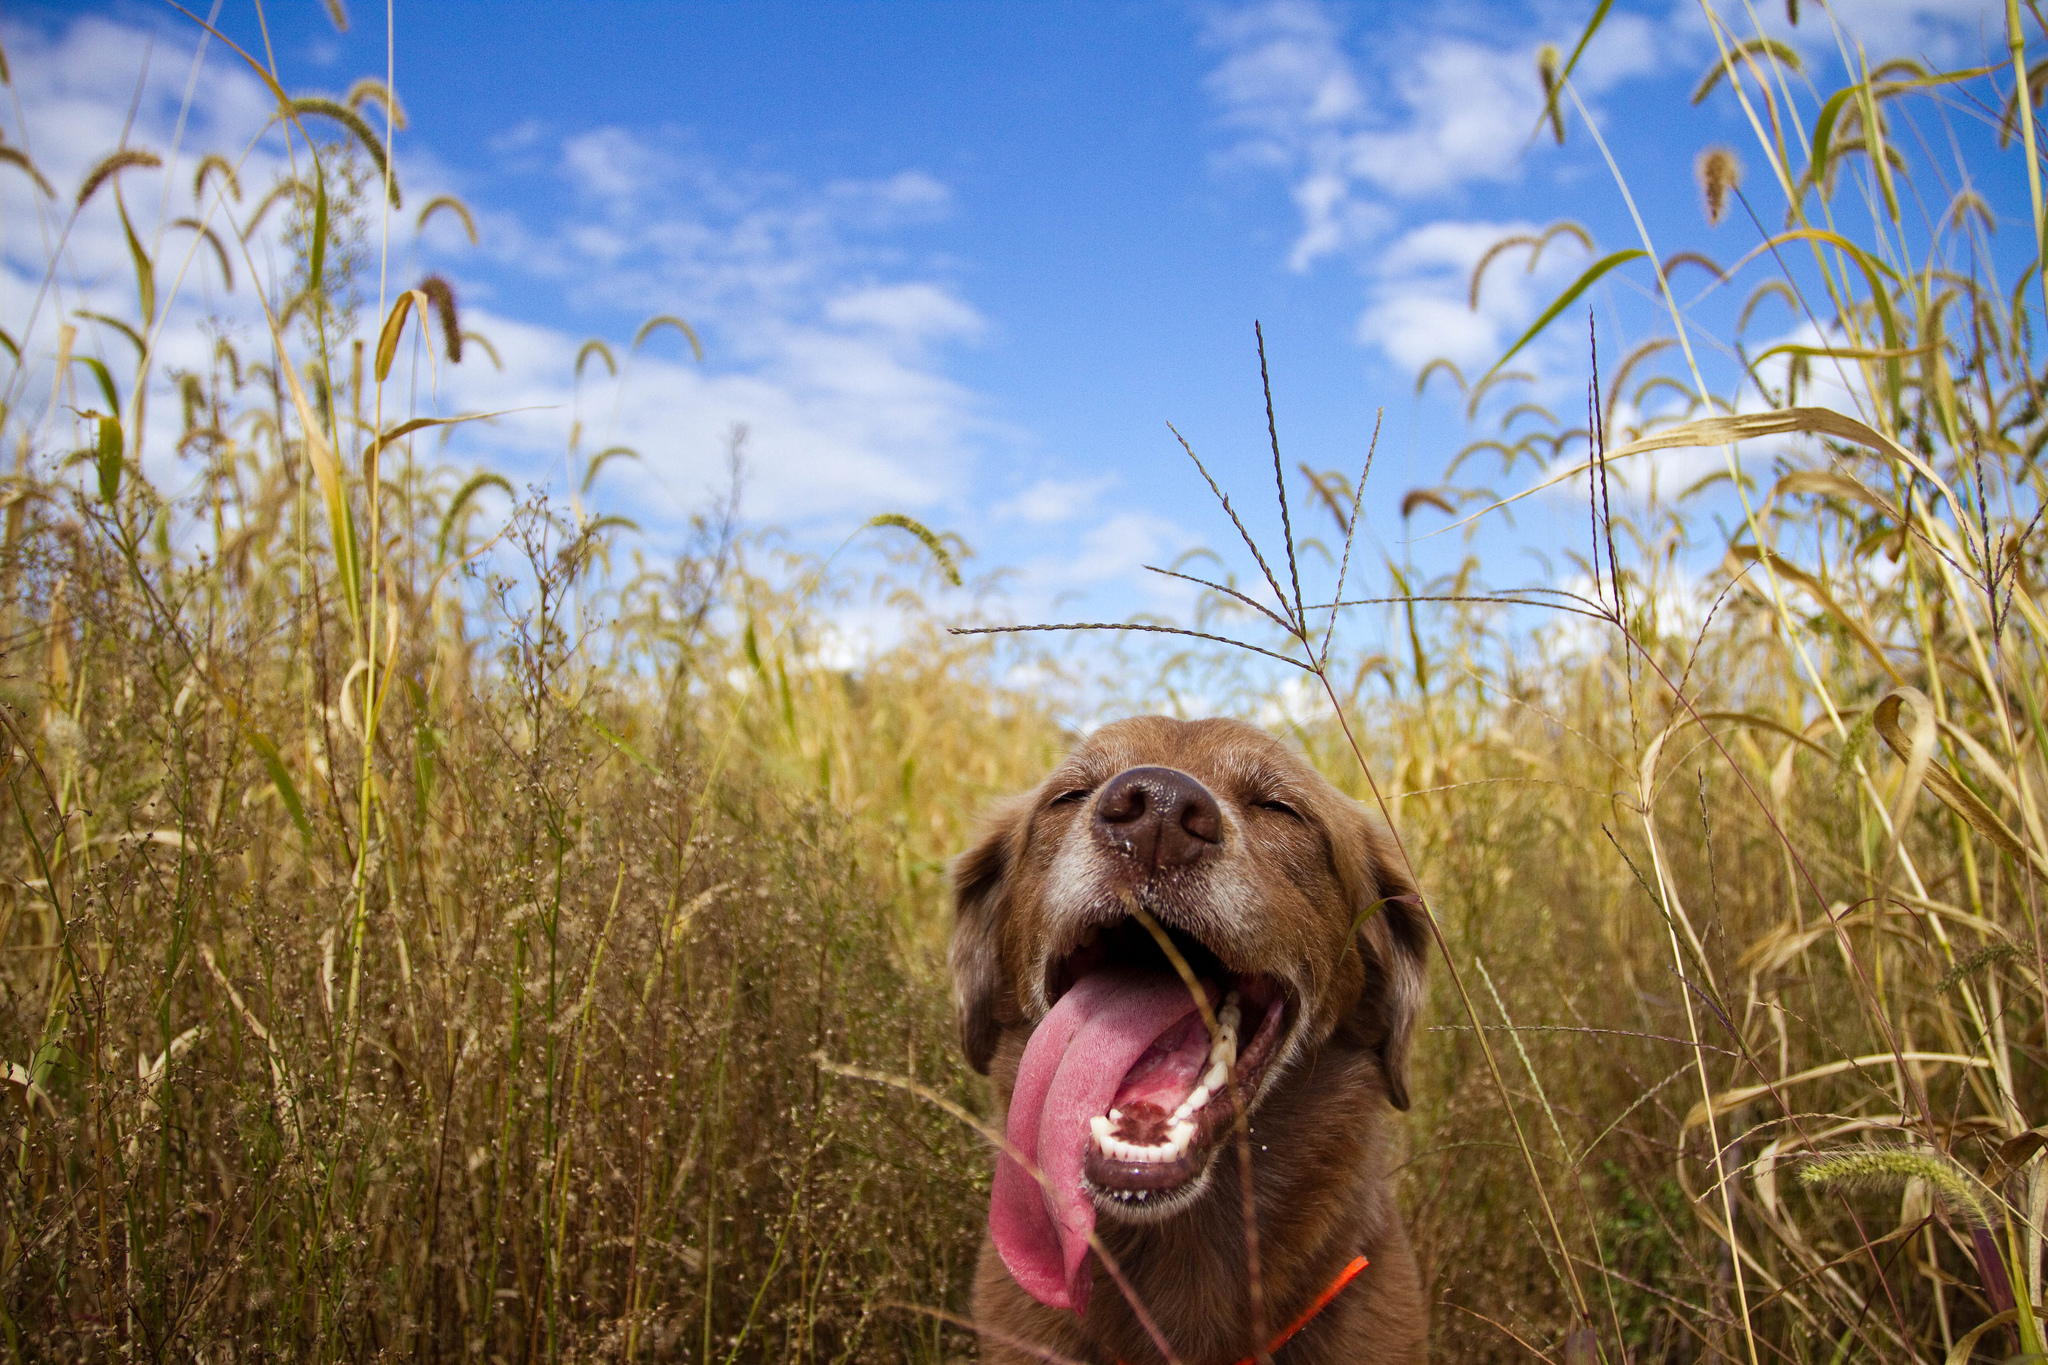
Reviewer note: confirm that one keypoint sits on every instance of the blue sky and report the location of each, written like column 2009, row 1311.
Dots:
column 966, row 261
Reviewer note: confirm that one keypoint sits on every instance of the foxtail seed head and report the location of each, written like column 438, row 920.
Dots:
column 1892, row 1167
column 1719, row 172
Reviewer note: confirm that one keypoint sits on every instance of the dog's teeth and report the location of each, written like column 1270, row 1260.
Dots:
column 1116, row 1116
column 1195, row 1101
column 1180, row 1134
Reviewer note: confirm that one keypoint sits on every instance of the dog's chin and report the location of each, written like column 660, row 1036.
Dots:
column 1142, row 1206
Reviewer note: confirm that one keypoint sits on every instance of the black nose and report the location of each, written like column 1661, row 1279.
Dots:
column 1160, row 817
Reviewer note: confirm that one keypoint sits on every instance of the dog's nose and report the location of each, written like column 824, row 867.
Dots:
column 1160, row 817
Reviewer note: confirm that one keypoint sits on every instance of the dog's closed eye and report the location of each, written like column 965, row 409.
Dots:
column 1279, row 807
column 1068, row 798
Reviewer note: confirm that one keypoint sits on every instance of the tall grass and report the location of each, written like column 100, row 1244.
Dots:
column 419, row 919
column 1754, row 884
column 1739, row 875
column 423, row 913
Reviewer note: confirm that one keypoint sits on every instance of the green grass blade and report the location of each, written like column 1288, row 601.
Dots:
column 109, row 459
column 1564, row 301
column 281, row 778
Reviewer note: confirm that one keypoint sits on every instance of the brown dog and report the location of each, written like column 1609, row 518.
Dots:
column 1121, row 1087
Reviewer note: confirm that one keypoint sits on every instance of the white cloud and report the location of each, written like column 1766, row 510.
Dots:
column 1419, row 114
column 76, row 89
column 1947, row 32
column 1419, row 306
column 1116, row 551
column 1375, row 130
column 1439, row 99
column 1052, row 501
column 907, row 196
column 610, row 163
column 1106, row 559
column 836, row 428
column 826, row 334
column 910, row 311
column 519, row 137
column 1284, row 68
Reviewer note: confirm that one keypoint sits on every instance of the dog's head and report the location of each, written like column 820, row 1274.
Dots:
column 1278, row 893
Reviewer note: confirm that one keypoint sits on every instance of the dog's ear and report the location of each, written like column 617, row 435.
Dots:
column 980, row 901
column 1393, row 941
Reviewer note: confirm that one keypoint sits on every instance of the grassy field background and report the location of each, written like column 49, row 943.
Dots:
column 421, row 928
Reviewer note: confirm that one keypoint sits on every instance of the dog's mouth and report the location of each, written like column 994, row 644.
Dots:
column 1149, row 1148
column 1125, row 1093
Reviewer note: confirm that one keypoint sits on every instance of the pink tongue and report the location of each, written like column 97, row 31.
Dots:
column 1071, row 1070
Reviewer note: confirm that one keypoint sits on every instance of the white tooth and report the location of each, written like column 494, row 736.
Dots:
column 1116, row 1116
column 1182, row 1133
column 1099, row 1126
column 1218, row 1075
column 1196, row 1100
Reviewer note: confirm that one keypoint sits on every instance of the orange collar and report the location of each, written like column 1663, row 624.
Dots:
column 1323, row 1300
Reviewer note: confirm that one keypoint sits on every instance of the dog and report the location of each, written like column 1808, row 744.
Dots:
column 1120, row 1071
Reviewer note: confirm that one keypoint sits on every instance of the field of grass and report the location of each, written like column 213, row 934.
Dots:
column 421, row 929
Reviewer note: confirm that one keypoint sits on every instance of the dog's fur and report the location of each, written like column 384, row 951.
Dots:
column 1302, row 886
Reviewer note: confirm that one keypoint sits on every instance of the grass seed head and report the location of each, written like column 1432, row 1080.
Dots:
column 1547, row 70
column 1887, row 1168
column 1719, row 171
